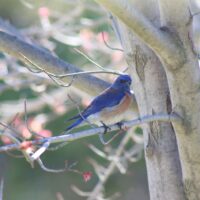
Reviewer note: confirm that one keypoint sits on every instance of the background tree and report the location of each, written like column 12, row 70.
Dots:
column 49, row 29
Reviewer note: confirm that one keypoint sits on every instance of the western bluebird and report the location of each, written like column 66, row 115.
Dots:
column 109, row 107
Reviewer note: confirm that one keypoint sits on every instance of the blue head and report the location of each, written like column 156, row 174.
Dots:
column 123, row 83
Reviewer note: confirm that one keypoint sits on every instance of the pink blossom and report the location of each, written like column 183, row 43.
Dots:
column 43, row 12
column 45, row 133
column 5, row 139
column 87, row 176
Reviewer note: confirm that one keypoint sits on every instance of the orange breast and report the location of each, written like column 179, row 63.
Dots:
column 119, row 109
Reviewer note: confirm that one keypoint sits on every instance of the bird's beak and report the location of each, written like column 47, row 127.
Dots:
column 128, row 84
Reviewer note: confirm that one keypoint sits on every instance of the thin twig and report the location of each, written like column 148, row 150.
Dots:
column 62, row 83
column 109, row 170
column 69, row 74
column 59, row 196
column 13, row 137
column 40, row 151
column 16, row 142
column 95, row 63
column 26, row 121
column 101, row 137
column 67, row 168
column 112, row 48
column 97, row 151
column 48, row 169
column 80, row 192
column 79, row 111
column 14, row 155
column 115, row 26
column 10, row 123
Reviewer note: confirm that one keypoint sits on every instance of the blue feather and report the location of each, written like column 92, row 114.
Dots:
column 76, row 123
column 108, row 98
column 72, row 118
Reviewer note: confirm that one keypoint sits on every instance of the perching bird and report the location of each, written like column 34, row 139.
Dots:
column 109, row 107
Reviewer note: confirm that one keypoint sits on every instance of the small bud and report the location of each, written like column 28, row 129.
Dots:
column 87, row 176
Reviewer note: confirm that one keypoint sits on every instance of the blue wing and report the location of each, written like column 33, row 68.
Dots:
column 108, row 98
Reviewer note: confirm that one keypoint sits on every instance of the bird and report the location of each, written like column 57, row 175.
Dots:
column 109, row 107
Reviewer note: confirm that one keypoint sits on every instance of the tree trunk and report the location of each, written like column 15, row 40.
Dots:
column 157, row 39
column 152, row 94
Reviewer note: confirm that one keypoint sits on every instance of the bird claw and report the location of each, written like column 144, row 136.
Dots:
column 121, row 126
column 106, row 128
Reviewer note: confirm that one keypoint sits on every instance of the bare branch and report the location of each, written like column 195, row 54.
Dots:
column 110, row 140
column 49, row 63
column 53, row 65
column 59, row 196
column 71, row 74
column 95, row 63
column 60, row 83
column 110, row 168
column 112, row 48
column 48, row 169
column 94, row 131
column 40, row 151
column 8, row 134
column 79, row 192
column 16, row 141
column 97, row 151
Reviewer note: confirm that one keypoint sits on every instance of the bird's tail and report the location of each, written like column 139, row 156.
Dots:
column 76, row 123
column 72, row 118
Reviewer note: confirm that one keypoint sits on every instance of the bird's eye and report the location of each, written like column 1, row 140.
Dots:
column 122, row 81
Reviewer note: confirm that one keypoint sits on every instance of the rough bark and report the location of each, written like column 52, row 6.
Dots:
column 183, row 78
column 185, row 95
column 151, row 90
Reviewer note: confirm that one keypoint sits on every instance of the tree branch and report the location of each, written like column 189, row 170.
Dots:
column 22, row 50
column 49, row 63
column 94, row 131
column 161, row 42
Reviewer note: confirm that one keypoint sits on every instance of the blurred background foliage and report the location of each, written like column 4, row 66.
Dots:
column 59, row 26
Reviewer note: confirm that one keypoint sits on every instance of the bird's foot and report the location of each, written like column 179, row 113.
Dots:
column 121, row 126
column 106, row 128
